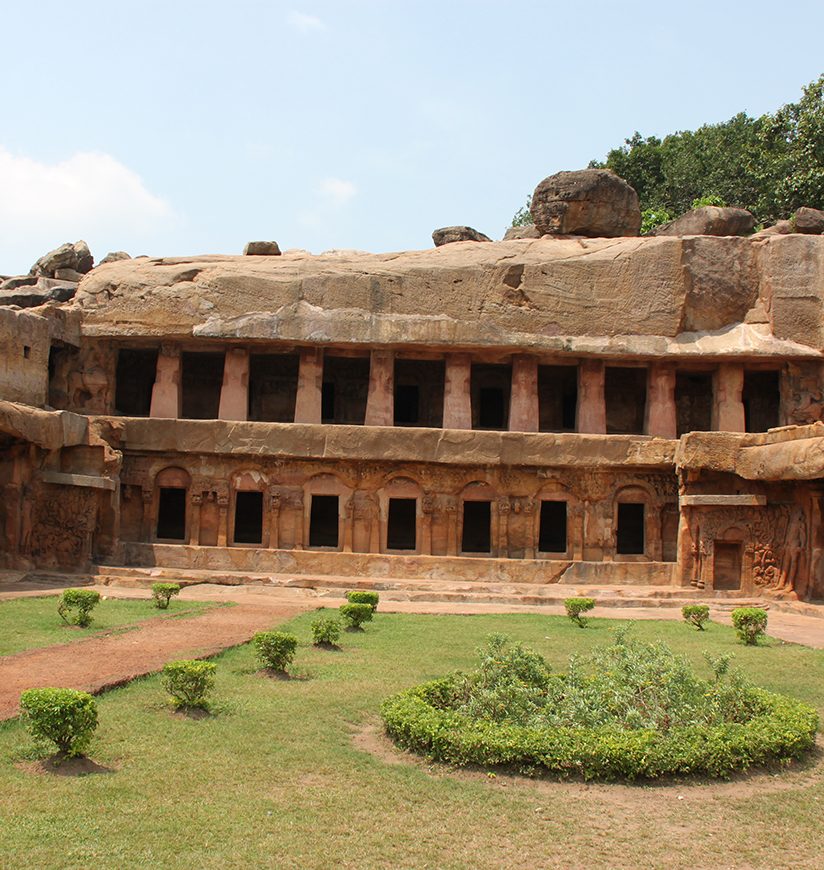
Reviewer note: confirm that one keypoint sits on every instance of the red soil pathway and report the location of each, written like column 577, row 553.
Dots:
column 99, row 663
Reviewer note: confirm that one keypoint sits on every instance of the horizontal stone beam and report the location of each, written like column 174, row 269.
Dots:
column 723, row 500
column 65, row 479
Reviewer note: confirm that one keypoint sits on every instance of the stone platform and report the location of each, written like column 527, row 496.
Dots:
column 256, row 561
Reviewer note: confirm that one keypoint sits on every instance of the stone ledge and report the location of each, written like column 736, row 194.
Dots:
column 64, row 479
column 723, row 500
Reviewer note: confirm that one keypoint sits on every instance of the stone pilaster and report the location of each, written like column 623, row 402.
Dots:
column 592, row 410
column 166, row 389
column 380, row 402
column 661, row 419
column 523, row 403
column 728, row 407
column 457, row 399
column 310, row 386
column 234, row 394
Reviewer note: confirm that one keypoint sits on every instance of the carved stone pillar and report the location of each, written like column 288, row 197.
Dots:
column 234, row 394
column 728, row 408
column 531, row 549
column 427, row 509
column 301, row 522
column 310, row 386
column 451, row 510
column 348, row 524
column 223, row 518
column 147, row 525
column 274, row 520
column 457, row 397
column 523, row 404
column 592, row 410
column 661, row 416
column 196, row 500
column 380, row 402
column 166, row 389
column 500, row 546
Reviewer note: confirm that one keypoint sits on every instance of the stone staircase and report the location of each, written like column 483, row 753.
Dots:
column 422, row 590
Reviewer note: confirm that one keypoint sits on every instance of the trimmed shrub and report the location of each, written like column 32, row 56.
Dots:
column 576, row 606
column 696, row 614
column 627, row 711
column 357, row 596
column 275, row 649
column 750, row 623
column 356, row 614
column 189, row 682
column 66, row 717
column 326, row 631
column 162, row 594
column 81, row 600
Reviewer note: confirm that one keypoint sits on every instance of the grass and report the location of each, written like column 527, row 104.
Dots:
column 28, row 623
column 273, row 779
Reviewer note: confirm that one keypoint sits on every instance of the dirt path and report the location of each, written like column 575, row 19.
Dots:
column 100, row 663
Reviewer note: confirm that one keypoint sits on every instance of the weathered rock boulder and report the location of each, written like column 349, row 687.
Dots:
column 75, row 256
column 114, row 257
column 590, row 202
column 44, row 290
column 18, row 281
column 710, row 220
column 809, row 221
column 261, row 249
column 782, row 228
column 447, row 235
column 529, row 231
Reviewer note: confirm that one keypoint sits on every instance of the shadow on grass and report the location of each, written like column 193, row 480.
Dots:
column 283, row 676
column 330, row 647
column 59, row 765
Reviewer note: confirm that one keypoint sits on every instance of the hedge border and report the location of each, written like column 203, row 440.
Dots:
column 786, row 730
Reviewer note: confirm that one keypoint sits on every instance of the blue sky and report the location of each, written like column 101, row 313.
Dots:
column 172, row 128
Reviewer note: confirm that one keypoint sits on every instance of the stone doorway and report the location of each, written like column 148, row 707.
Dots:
column 402, row 524
column 727, row 565
column 171, row 513
column 324, row 521
column 248, row 518
column 477, row 521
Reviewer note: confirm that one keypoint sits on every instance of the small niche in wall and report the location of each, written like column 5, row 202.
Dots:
column 248, row 517
column 552, row 535
column 26, row 351
column 324, row 521
column 477, row 520
column 630, row 537
column 401, row 525
column 171, row 513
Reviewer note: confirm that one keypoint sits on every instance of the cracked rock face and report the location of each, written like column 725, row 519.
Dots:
column 590, row 202
column 628, row 296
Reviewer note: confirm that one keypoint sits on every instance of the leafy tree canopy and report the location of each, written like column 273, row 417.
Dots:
column 770, row 165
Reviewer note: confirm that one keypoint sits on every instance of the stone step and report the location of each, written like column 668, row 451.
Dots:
column 404, row 589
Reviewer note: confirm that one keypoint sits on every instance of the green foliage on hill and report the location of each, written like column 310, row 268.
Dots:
column 770, row 165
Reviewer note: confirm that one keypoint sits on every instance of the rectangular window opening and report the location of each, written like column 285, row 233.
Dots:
column 419, row 386
column 323, row 521
column 625, row 395
column 401, row 531
column 762, row 400
column 557, row 398
column 201, row 382
column 407, row 405
column 693, row 402
column 134, row 380
column 630, row 538
column 248, row 517
column 345, row 389
column 491, row 388
column 26, row 351
column 477, row 521
column 552, row 535
column 171, row 513
column 273, row 386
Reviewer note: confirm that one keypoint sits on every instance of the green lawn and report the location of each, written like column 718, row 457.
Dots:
column 275, row 780
column 27, row 623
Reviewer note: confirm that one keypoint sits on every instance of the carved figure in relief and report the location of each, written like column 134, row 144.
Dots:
column 792, row 574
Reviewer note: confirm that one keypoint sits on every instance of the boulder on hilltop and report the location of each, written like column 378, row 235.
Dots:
column 588, row 202
column 447, row 235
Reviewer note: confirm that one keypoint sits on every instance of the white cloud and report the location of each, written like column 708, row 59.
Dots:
column 89, row 195
column 330, row 196
column 305, row 23
column 337, row 191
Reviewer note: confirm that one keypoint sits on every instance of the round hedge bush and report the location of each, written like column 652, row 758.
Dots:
column 432, row 719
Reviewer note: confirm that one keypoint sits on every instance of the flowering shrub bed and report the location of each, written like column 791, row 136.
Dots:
column 629, row 710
